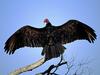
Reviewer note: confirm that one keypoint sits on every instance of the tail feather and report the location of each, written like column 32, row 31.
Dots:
column 53, row 51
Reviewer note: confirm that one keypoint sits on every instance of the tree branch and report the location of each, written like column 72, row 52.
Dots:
column 28, row 67
column 48, row 71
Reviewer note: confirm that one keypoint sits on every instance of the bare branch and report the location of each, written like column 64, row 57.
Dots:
column 48, row 71
column 74, row 69
column 28, row 67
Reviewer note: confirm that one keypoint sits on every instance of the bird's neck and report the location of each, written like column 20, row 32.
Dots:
column 48, row 24
column 49, row 28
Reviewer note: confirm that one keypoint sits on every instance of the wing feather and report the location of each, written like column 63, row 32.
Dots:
column 74, row 30
column 25, row 36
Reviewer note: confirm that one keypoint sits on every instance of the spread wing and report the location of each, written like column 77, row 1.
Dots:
column 25, row 36
column 74, row 30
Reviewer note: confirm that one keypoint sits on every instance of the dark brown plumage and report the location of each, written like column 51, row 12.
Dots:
column 51, row 38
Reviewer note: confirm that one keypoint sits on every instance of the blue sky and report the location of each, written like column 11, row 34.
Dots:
column 16, row 13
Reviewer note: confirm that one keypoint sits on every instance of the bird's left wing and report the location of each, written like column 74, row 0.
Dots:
column 25, row 36
column 73, row 30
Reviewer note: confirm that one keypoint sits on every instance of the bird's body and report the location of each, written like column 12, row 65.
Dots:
column 50, row 37
column 52, row 47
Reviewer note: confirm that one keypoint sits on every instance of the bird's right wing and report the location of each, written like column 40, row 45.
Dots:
column 25, row 36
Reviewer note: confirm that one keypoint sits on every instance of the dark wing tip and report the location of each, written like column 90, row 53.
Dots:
column 91, row 35
column 8, row 51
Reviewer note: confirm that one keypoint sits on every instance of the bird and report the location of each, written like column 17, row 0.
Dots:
column 51, row 38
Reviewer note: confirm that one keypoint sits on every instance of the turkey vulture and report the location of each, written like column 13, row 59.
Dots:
column 50, row 37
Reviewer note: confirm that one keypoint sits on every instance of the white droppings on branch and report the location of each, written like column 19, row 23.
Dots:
column 28, row 67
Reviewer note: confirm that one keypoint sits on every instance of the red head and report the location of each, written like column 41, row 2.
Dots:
column 46, row 21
